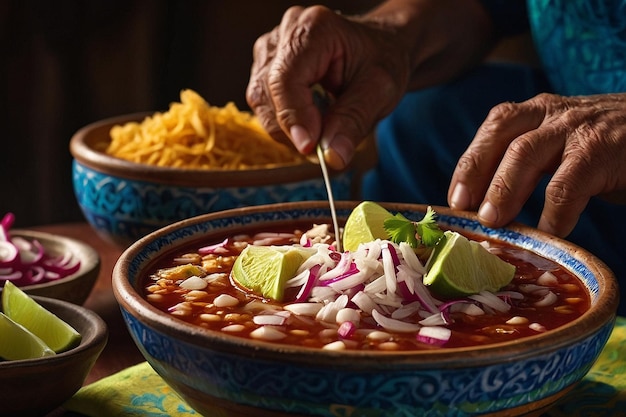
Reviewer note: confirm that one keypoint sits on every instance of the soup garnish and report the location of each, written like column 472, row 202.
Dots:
column 372, row 298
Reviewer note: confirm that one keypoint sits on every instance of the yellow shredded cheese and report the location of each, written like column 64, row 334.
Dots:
column 194, row 135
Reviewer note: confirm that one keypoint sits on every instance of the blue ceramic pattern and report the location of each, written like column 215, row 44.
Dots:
column 303, row 389
column 426, row 392
column 127, row 210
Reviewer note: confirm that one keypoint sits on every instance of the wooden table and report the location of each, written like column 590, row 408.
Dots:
column 120, row 351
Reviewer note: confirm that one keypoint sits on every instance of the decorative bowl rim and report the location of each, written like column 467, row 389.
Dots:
column 85, row 267
column 602, row 312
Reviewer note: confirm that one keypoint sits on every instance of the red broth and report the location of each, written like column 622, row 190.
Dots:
column 550, row 300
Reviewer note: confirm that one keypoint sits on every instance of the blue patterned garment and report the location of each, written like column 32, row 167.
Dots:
column 582, row 44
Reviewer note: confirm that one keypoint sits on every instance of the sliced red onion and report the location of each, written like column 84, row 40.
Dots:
column 8, row 253
column 434, row 335
column 406, row 310
column 217, row 248
column 389, row 267
column 393, row 325
column 437, row 319
column 328, row 313
column 305, row 290
column 411, row 258
column 364, row 302
column 547, row 300
column 344, row 264
column 547, row 279
column 491, row 300
column 346, row 329
column 26, row 262
column 269, row 319
column 11, row 276
column 304, row 309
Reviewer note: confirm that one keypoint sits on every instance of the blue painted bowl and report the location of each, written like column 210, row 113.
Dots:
column 222, row 375
column 124, row 201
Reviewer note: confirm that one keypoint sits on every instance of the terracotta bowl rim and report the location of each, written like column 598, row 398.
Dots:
column 601, row 313
column 82, row 149
column 95, row 338
column 92, row 256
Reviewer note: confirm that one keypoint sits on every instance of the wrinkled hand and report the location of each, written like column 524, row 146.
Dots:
column 581, row 141
column 360, row 64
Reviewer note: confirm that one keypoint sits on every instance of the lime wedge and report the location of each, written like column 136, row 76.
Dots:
column 19, row 307
column 265, row 269
column 459, row 267
column 365, row 224
column 16, row 342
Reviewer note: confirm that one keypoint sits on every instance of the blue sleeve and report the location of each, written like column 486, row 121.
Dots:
column 510, row 17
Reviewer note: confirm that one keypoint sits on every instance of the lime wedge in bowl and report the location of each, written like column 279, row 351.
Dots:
column 54, row 332
column 17, row 343
column 265, row 269
column 460, row 267
column 365, row 224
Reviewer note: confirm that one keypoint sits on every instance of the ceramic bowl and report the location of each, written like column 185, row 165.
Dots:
column 35, row 387
column 222, row 375
column 74, row 288
column 124, row 201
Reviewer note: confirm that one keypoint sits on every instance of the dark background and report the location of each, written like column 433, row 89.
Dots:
column 65, row 64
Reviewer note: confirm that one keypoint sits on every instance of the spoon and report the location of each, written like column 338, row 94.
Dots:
column 331, row 200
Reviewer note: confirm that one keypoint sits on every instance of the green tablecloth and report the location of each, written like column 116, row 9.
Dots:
column 139, row 391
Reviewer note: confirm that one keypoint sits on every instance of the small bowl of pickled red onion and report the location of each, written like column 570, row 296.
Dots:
column 46, row 265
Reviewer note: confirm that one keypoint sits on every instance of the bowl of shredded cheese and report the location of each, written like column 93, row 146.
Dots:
column 136, row 173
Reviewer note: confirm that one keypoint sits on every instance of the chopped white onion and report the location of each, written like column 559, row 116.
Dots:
column 394, row 325
column 225, row 300
column 267, row 333
column 304, row 309
column 194, row 283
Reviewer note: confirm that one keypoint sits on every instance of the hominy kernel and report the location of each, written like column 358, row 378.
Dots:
column 517, row 320
column 327, row 333
column 563, row 309
column 195, row 295
column 181, row 313
column 232, row 317
column 233, row 328
column 155, row 297
column 153, row 288
column 388, row 346
column 569, row 287
column 299, row 332
column 267, row 333
column 574, row 300
column 378, row 335
column 209, row 317
column 537, row 327
column 336, row 345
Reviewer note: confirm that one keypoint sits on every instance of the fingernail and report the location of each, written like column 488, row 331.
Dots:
column 460, row 199
column 488, row 213
column 301, row 139
column 338, row 151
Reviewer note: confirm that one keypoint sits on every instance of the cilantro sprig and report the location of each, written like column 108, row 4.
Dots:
column 424, row 232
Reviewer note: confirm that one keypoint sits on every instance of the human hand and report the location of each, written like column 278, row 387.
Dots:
column 362, row 66
column 581, row 141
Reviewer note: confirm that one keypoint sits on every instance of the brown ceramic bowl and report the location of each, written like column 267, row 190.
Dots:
column 124, row 201
column 221, row 374
column 74, row 288
column 35, row 387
